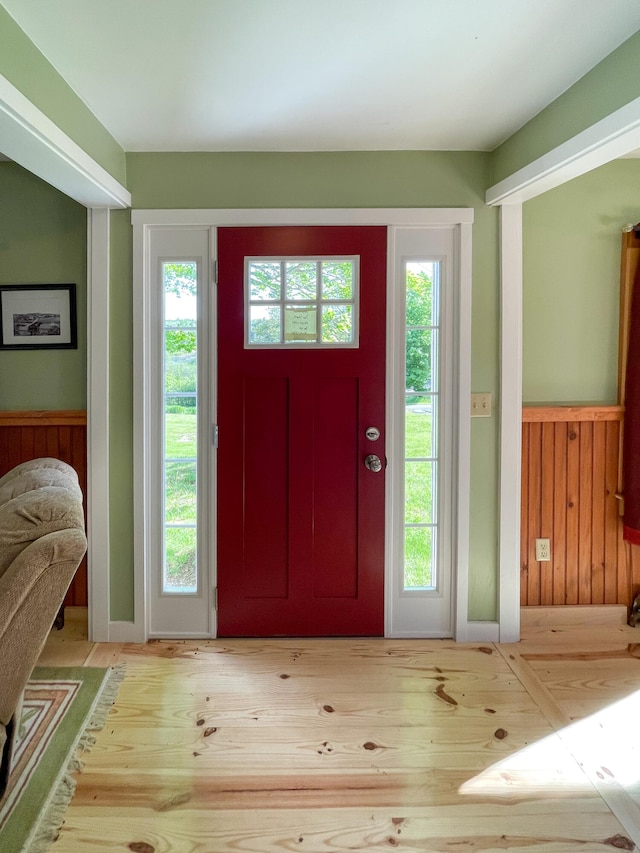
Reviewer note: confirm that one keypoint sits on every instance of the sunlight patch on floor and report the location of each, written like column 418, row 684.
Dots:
column 601, row 750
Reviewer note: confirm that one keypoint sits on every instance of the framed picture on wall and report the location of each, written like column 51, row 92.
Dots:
column 38, row 316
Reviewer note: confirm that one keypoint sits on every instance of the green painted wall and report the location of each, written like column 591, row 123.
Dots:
column 607, row 87
column 345, row 179
column 33, row 75
column 43, row 240
column 352, row 179
column 572, row 285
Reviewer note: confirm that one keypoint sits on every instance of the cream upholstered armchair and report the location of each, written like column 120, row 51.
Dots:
column 42, row 541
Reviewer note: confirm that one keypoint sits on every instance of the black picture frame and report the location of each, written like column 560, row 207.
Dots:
column 38, row 316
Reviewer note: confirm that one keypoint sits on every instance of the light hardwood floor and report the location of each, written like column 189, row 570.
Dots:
column 340, row 745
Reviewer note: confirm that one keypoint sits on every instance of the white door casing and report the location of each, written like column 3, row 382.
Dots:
column 456, row 223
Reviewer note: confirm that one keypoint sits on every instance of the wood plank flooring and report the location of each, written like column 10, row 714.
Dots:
column 367, row 744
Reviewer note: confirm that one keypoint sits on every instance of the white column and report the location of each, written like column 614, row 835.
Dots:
column 510, row 421
column 98, row 221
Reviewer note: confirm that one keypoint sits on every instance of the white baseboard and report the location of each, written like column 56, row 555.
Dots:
column 182, row 635
column 129, row 632
column 480, row 632
column 125, row 632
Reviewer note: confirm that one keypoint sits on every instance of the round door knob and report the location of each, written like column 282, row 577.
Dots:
column 373, row 463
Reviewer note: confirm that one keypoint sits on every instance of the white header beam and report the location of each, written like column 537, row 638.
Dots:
column 614, row 136
column 33, row 141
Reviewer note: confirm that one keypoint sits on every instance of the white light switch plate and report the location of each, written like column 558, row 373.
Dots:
column 481, row 405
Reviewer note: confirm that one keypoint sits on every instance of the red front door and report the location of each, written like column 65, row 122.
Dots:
column 300, row 517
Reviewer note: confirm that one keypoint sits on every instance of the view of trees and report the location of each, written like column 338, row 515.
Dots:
column 307, row 290
column 180, row 280
column 419, row 290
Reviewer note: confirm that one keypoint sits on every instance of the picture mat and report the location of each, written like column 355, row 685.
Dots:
column 15, row 303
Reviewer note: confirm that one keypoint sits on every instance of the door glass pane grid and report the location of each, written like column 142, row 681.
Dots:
column 301, row 302
column 179, row 464
column 420, row 424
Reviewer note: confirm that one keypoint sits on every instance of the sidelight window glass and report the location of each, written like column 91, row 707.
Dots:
column 179, row 571
column 421, row 419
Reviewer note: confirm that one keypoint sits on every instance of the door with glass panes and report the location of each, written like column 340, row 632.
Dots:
column 301, row 417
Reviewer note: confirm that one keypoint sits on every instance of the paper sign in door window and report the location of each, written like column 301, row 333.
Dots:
column 301, row 324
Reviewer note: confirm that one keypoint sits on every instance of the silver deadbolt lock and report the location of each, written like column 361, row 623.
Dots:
column 372, row 433
column 373, row 463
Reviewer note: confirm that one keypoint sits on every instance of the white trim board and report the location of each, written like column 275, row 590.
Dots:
column 32, row 140
column 483, row 632
column 463, row 627
column 123, row 632
column 613, row 136
column 305, row 216
column 141, row 354
column 510, row 421
column 98, row 269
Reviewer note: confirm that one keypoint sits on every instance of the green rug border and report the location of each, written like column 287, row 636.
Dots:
column 33, row 825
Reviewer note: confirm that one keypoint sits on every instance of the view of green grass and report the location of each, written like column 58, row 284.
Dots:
column 417, row 557
column 180, row 435
column 180, row 492
column 180, row 499
column 418, row 499
column 180, row 558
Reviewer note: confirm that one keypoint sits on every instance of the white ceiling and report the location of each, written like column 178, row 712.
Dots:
column 314, row 75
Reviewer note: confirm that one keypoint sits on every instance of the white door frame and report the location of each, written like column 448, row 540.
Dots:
column 460, row 218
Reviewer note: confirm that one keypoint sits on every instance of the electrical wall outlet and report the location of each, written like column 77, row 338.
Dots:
column 543, row 550
column 481, row 405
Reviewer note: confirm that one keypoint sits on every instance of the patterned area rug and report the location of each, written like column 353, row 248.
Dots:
column 62, row 706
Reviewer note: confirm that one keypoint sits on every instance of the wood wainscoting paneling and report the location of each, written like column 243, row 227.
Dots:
column 62, row 434
column 569, row 484
column 571, row 474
